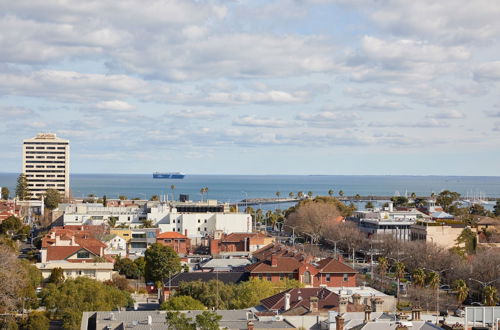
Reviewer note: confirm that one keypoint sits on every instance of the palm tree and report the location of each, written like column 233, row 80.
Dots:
column 462, row 290
column 206, row 191
column 278, row 194
column 399, row 270
column 490, row 295
column 413, row 195
column 203, row 191
column 154, row 198
column 330, row 192
column 173, row 191
column 433, row 279
column 357, row 197
column 300, row 194
column 341, row 193
column 419, row 277
column 291, row 194
column 310, row 194
column 383, row 264
column 112, row 221
column 147, row 223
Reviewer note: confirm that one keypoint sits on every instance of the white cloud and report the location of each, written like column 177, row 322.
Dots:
column 330, row 119
column 259, row 122
column 447, row 114
column 431, row 123
column 487, row 71
column 191, row 114
column 116, row 105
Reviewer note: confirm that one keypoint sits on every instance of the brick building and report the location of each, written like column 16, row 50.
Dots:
column 180, row 243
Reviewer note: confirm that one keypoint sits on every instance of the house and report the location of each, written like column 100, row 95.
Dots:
column 72, row 246
column 125, row 233
column 239, row 242
column 225, row 265
column 439, row 233
column 101, row 271
column 140, row 240
column 180, row 243
column 328, row 271
column 172, row 283
column 115, row 245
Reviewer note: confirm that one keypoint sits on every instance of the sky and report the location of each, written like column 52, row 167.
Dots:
column 384, row 87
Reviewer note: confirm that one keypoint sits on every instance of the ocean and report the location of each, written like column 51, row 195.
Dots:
column 233, row 188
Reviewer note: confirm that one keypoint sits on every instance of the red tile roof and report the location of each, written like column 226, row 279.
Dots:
column 238, row 237
column 171, row 234
column 283, row 265
column 331, row 265
column 64, row 252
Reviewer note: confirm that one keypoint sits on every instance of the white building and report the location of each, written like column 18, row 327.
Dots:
column 388, row 221
column 46, row 164
column 101, row 271
column 166, row 216
column 116, row 245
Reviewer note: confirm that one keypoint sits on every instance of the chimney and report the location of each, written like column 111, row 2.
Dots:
column 339, row 322
column 313, row 305
column 356, row 299
column 274, row 261
column 415, row 313
column 287, row 301
column 249, row 325
column 368, row 312
column 185, row 232
column 342, row 304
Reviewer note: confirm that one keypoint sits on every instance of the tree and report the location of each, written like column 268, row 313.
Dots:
column 413, row 195
column 419, row 277
column 383, row 265
column 310, row 194
column 161, row 262
column 433, row 280
column 300, row 194
column 208, row 321
column 104, row 201
column 122, row 197
column 182, row 303
column 56, row 276
column 490, row 294
column 291, row 194
column 399, row 201
column 369, row 205
column 127, row 267
column 278, row 194
column 330, row 192
column 399, row 270
column 112, row 221
column 52, row 199
column 22, row 189
column 461, row 290
column 141, row 265
column 477, row 209
column 154, row 198
column 37, row 321
column 446, row 199
column 69, row 299
column 469, row 241
column 341, row 193
column 5, row 193
column 147, row 223
column 11, row 225
column 179, row 321
column 172, row 187
column 119, row 282
column 496, row 208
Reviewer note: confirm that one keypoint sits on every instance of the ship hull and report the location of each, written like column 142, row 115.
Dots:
column 168, row 176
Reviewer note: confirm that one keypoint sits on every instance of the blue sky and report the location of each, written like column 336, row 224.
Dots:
column 255, row 87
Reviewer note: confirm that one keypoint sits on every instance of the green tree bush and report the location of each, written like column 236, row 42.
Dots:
column 161, row 263
column 182, row 303
column 22, row 191
column 52, row 199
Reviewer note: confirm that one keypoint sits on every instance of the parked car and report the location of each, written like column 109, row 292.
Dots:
column 459, row 312
column 477, row 304
column 443, row 313
column 445, row 287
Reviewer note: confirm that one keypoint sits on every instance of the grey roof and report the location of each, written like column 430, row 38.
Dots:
column 225, row 277
column 231, row 319
column 226, row 263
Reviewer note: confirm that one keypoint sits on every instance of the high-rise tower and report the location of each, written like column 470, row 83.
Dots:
column 46, row 164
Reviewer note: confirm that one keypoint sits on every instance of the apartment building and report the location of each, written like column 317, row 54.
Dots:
column 46, row 164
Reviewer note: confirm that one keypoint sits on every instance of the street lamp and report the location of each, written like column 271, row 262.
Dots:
column 293, row 232
column 484, row 284
column 397, row 289
column 334, row 244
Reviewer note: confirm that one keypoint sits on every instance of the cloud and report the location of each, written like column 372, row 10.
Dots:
column 9, row 113
column 330, row 119
column 447, row 114
column 191, row 114
column 115, row 105
column 492, row 113
column 487, row 71
column 431, row 123
column 259, row 122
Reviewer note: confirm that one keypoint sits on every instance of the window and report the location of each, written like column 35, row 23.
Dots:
column 307, row 277
column 167, row 240
column 83, row 254
column 290, row 276
column 69, row 273
column 173, row 221
column 328, row 277
column 260, row 276
column 151, row 234
column 205, row 220
column 269, row 277
column 199, row 220
column 205, row 228
column 282, row 277
column 346, row 277
column 199, row 229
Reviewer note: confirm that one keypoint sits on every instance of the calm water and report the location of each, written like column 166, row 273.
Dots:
column 231, row 188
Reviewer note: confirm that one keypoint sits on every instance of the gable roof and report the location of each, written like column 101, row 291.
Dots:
column 301, row 297
column 225, row 277
column 64, row 252
column 331, row 265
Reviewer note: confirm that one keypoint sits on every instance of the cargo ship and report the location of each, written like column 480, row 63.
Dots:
column 170, row 175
